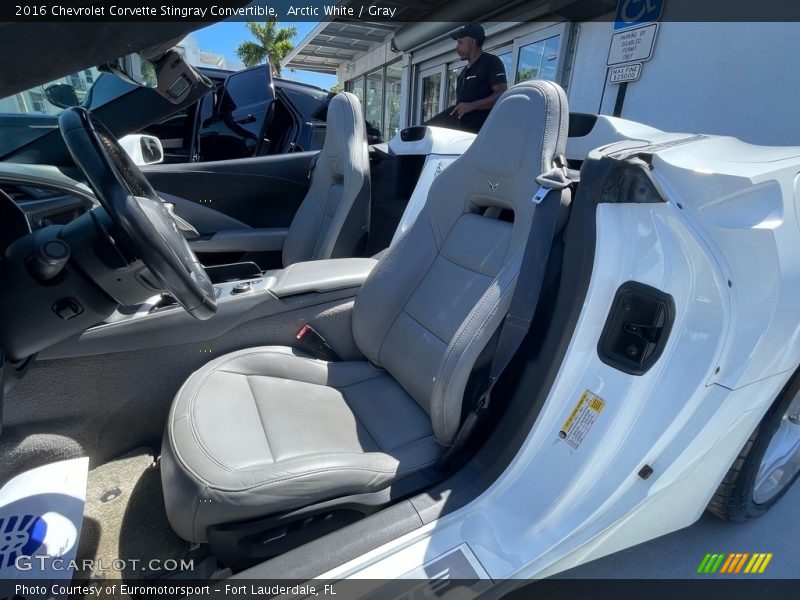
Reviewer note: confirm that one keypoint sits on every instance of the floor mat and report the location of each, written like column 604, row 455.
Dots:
column 125, row 528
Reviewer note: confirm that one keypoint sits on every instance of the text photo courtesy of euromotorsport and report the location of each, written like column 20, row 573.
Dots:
column 177, row 590
column 201, row 12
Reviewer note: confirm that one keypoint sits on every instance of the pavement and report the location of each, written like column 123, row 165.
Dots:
column 677, row 555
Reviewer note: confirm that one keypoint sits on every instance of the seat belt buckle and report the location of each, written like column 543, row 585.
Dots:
column 481, row 403
column 313, row 343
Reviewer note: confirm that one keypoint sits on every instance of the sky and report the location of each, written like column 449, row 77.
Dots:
column 223, row 38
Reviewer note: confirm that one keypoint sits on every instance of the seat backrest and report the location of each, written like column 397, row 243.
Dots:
column 437, row 296
column 332, row 220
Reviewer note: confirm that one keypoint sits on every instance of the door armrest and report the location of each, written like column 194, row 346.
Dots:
column 265, row 239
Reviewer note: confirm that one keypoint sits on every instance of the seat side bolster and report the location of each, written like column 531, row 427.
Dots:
column 465, row 347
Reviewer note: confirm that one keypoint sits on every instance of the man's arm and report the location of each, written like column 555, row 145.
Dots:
column 463, row 108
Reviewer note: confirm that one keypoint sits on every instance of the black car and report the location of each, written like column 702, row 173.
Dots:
column 249, row 113
column 244, row 114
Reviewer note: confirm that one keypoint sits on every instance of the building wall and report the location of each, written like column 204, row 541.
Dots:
column 196, row 57
column 374, row 59
column 588, row 74
column 738, row 79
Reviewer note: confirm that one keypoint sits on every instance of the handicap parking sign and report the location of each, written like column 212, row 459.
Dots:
column 637, row 12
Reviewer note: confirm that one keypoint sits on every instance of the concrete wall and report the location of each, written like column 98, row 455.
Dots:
column 375, row 58
column 739, row 79
column 588, row 74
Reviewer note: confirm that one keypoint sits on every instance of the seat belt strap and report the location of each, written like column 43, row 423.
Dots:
column 526, row 294
column 313, row 165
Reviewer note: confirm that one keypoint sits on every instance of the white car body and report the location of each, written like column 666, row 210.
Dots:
column 723, row 245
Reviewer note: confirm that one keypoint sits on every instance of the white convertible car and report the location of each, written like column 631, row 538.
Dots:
column 496, row 357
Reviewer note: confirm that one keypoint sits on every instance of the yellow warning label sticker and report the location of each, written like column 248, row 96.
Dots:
column 581, row 418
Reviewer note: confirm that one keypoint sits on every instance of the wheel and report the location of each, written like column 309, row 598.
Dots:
column 768, row 464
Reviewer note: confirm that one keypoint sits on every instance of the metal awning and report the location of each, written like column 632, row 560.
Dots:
column 333, row 43
column 337, row 41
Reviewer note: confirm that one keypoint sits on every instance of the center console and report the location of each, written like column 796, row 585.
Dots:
column 159, row 321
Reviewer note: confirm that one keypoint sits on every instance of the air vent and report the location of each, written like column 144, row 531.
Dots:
column 45, row 206
column 21, row 193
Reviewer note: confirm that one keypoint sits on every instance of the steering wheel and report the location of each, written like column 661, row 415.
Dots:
column 146, row 227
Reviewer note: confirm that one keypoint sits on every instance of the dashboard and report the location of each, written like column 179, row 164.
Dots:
column 42, row 196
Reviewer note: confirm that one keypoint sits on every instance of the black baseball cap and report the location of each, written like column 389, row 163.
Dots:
column 473, row 30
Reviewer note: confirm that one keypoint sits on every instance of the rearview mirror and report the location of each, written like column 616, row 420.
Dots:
column 61, row 95
column 143, row 149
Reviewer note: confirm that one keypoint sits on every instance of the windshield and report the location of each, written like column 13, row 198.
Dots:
column 35, row 100
column 30, row 115
column 76, row 89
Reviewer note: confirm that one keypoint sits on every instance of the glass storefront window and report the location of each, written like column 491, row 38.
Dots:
column 391, row 117
column 452, row 83
column 431, row 88
column 550, row 58
column 538, row 60
column 373, row 105
column 357, row 88
column 505, row 58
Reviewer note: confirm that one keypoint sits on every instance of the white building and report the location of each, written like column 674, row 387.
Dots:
column 196, row 57
column 729, row 78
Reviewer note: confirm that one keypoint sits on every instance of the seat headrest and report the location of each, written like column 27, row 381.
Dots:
column 526, row 129
column 524, row 133
column 345, row 132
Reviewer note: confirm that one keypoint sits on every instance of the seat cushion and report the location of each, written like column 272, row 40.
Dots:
column 265, row 430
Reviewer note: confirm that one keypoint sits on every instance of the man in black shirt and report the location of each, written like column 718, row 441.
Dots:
column 481, row 82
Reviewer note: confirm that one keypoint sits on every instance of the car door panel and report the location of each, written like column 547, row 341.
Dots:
column 238, row 206
column 236, row 127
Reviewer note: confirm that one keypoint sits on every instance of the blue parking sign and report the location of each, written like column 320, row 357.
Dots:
column 637, row 12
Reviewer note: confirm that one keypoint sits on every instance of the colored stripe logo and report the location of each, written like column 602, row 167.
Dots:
column 734, row 563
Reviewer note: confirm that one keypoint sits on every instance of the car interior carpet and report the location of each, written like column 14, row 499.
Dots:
column 125, row 523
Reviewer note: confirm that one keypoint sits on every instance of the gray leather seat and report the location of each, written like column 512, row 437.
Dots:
column 332, row 219
column 266, row 430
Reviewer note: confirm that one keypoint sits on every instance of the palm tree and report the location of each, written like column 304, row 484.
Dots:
column 272, row 42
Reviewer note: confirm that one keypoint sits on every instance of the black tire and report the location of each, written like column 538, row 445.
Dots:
column 733, row 499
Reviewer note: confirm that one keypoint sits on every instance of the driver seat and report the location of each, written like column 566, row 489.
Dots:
column 264, row 431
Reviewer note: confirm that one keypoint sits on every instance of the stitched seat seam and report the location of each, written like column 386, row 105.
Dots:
column 321, row 471
column 260, row 418
column 410, row 316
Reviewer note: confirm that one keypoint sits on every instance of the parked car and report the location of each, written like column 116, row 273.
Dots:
column 249, row 113
column 253, row 425
column 244, row 114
